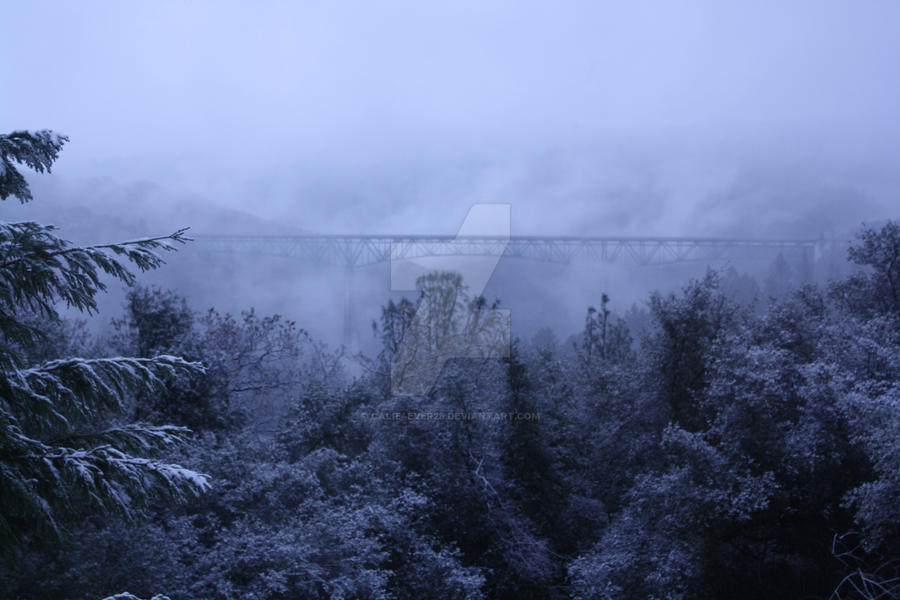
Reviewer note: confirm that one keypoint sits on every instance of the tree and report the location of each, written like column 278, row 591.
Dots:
column 687, row 326
column 157, row 321
column 444, row 324
column 875, row 291
column 64, row 446
column 247, row 360
column 605, row 342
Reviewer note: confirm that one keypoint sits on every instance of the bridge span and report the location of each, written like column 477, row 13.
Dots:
column 351, row 251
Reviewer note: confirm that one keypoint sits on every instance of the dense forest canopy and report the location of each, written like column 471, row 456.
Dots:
column 723, row 449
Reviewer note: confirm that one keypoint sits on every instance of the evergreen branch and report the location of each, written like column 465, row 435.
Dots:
column 54, row 392
column 128, row 596
column 37, row 268
column 106, row 476
column 134, row 437
column 177, row 236
column 45, row 483
column 37, row 150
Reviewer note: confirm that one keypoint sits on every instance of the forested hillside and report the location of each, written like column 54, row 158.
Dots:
column 725, row 450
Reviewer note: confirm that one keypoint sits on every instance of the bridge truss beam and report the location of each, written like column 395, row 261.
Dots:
column 352, row 251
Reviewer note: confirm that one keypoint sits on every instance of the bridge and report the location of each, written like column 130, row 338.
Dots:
column 352, row 251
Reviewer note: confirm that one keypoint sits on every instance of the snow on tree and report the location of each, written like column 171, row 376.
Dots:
column 65, row 446
column 36, row 150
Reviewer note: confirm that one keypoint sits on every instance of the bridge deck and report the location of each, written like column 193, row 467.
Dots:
column 361, row 250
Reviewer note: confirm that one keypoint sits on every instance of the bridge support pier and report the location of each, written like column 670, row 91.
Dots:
column 349, row 334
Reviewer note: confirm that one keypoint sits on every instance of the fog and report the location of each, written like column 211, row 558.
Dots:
column 762, row 119
column 485, row 300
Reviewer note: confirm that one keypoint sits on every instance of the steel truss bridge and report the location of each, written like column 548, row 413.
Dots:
column 352, row 251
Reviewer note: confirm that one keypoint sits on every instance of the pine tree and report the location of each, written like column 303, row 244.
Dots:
column 65, row 445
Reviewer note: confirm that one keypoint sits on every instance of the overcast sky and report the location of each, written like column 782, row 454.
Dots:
column 586, row 116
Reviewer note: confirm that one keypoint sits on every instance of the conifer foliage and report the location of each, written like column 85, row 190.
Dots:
column 65, row 444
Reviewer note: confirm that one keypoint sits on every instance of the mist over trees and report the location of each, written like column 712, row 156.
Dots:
column 715, row 442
